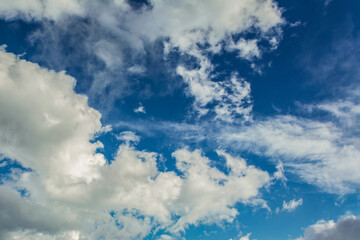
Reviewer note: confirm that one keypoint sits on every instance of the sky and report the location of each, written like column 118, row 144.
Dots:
column 180, row 119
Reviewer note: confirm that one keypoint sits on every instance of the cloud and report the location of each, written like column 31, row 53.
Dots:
column 280, row 172
column 44, row 122
column 292, row 205
column 248, row 49
column 37, row 9
column 128, row 137
column 246, row 237
column 327, row 2
column 231, row 98
column 114, row 41
column 210, row 35
column 202, row 185
column 140, row 109
column 3, row 163
column 136, row 69
column 30, row 235
column 49, row 129
column 320, row 144
column 346, row 228
column 212, row 21
column 106, row 129
column 322, row 152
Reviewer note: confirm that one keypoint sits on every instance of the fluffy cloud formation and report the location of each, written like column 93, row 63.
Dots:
column 190, row 22
column 49, row 129
column 203, row 184
column 44, row 123
column 347, row 228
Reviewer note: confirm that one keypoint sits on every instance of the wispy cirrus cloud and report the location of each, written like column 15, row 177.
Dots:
column 321, row 152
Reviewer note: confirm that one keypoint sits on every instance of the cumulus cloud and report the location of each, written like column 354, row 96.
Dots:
column 49, row 129
column 202, row 185
column 213, row 21
column 346, row 228
column 44, row 122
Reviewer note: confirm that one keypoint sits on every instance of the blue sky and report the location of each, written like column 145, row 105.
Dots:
column 190, row 119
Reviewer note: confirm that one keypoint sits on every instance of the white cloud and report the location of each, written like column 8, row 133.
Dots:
column 292, row 205
column 165, row 237
column 296, row 24
column 280, row 172
column 38, row 9
column 105, row 129
column 218, row 22
column 3, row 163
column 140, row 109
column 43, row 122
column 68, row 178
column 72, row 192
column 190, row 22
column 323, row 153
column 246, row 237
column 248, row 49
column 186, row 22
column 202, row 185
column 231, row 98
column 346, row 228
column 128, row 137
column 137, row 69
column 31, row 235
column 118, row 36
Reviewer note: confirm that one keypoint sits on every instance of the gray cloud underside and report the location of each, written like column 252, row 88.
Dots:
column 346, row 228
